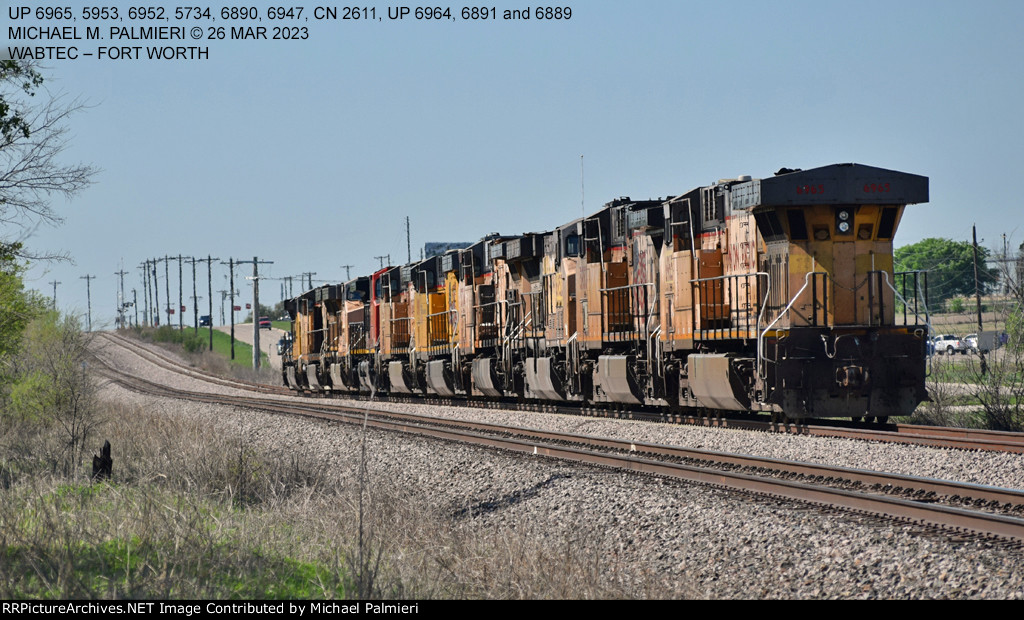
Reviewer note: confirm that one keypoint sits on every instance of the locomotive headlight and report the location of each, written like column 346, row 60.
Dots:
column 844, row 221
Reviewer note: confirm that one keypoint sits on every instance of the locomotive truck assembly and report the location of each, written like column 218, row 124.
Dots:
column 772, row 295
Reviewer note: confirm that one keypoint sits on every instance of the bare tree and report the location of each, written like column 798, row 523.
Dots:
column 33, row 134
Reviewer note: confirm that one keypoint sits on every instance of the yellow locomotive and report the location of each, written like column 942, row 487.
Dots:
column 774, row 295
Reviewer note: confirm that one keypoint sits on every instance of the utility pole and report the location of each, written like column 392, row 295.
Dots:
column 156, row 295
column 256, row 262
column 135, row 304
column 145, row 293
column 195, row 304
column 408, row 242
column 231, row 286
column 167, row 286
column 195, row 312
column 88, row 296
column 381, row 259
column 120, row 299
column 209, row 285
column 180, row 304
column 1006, row 272
column 1019, row 270
column 348, row 272
column 223, row 296
column 55, row 283
column 977, row 297
column 309, row 275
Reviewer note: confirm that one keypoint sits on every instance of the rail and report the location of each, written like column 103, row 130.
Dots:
column 439, row 331
column 920, row 297
column 538, row 324
column 869, row 493
column 401, row 334
column 488, row 333
column 736, row 319
column 626, row 312
column 761, row 334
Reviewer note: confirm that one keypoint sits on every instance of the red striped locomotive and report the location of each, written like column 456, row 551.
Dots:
column 774, row 295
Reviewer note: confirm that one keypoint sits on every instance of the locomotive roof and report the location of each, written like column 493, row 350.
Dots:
column 833, row 184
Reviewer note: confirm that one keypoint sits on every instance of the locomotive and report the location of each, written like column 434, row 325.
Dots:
column 773, row 295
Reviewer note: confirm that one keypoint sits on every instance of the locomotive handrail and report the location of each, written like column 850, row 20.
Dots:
column 491, row 303
column 620, row 288
column 649, row 307
column 522, row 326
column 654, row 358
column 760, row 336
column 906, row 304
column 736, row 276
column 927, row 318
column 498, row 319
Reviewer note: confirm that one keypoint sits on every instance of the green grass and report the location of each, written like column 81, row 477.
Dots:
column 197, row 342
column 194, row 558
column 222, row 346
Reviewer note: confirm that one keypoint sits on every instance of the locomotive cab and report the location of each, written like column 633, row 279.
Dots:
column 830, row 344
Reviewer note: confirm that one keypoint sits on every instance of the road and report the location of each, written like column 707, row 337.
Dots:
column 268, row 339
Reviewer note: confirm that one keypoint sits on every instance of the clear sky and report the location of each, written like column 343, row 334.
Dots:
column 311, row 153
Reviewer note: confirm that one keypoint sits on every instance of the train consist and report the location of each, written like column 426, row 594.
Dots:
column 772, row 295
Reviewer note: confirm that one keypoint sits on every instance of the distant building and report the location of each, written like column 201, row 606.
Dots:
column 437, row 248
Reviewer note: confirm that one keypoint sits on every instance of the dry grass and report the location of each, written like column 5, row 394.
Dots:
column 194, row 512
column 949, row 404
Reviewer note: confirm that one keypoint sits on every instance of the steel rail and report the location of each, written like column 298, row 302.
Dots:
column 967, row 434
column 942, row 516
column 931, row 436
column 175, row 366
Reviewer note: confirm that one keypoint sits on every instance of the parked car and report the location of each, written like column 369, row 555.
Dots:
column 948, row 343
column 265, row 322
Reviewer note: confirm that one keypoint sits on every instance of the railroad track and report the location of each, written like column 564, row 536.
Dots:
column 168, row 363
column 951, row 506
column 931, row 436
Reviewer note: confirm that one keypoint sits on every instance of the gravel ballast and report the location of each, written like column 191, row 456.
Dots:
column 694, row 540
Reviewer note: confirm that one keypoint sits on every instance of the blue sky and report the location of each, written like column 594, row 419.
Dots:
column 311, row 153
